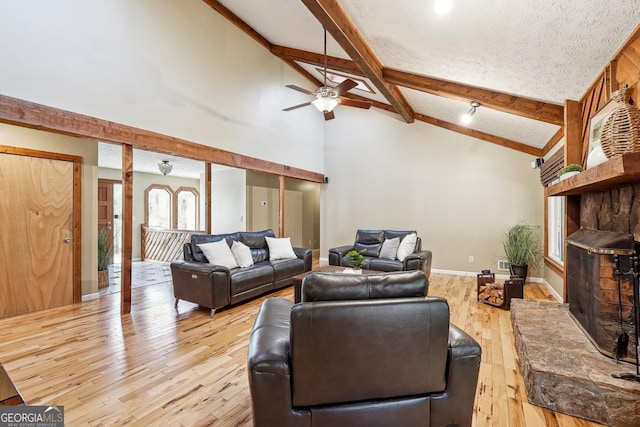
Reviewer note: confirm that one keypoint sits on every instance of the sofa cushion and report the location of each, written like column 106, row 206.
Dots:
column 243, row 279
column 390, row 234
column 407, row 246
column 381, row 264
column 242, row 254
column 371, row 240
column 389, row 248
column 280, row 248
column 197, row 239
column 338, row 286
column 255, row 239
column 219, row 253
column 284, row 268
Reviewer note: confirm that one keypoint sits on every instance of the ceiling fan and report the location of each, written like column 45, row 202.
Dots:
column 327, row 97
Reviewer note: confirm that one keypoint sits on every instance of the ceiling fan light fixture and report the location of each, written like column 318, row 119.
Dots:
column 325, row 102
column 468, row 116
column 165, row 167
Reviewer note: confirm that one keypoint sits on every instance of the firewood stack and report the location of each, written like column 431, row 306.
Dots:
column 491, row 292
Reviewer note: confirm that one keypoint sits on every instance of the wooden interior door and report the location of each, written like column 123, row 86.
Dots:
column 36, row 233
column 105, row 205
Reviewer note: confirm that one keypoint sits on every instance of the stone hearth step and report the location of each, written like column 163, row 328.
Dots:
column 564, row 372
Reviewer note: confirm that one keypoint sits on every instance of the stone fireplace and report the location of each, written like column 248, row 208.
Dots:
column 598, row 297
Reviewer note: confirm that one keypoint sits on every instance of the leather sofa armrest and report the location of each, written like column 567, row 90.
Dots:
column 336, row 254
column 270, row 369
column 306, row 255
column 462, row 380
column 199, row 267
column 201, row 283
column 419, row 261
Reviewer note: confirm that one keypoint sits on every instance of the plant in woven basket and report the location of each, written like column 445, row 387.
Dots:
column 621, row 131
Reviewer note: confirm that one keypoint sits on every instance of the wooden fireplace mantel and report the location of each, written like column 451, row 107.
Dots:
column 613, row 173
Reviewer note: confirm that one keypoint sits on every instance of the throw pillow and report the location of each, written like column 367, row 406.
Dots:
column 219, row 253
column 407, row 246
column 242, row 254
column 280, row 248
column 390, row 248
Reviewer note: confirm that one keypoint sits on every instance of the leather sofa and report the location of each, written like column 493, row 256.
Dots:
column 372, row 241
column 216, row 286
column 361, row 350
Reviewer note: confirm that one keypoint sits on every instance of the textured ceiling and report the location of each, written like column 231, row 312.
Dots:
column 110, row 156
column 548, row 50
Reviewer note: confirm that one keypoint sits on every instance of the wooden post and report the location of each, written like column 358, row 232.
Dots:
column 281, row 217
column 127, row 228
column 572, row 133
column 207, row 197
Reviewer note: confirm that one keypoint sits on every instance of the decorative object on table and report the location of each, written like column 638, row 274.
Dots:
column 356, row 258
column 621, row 130
column 105, row 256
column 522, row 247
column 596, row 157
column 498, row 294
column 569, row 170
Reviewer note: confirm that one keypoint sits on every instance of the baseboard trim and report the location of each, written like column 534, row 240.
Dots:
column 90, row 297
column 475, row 273
column 552, row 291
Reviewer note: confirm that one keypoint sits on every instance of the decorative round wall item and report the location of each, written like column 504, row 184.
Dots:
column 621, row 131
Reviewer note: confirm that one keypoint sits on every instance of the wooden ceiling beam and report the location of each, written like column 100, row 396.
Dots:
column 28, row 114
column 508, row 103
column 337, row 23
column 338, row 64
column 233, row 18
column 504, row 142
column 553, row 141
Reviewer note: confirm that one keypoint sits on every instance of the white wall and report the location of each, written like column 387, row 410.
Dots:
column 174, row 67
column 228, row 201
column 459, row 193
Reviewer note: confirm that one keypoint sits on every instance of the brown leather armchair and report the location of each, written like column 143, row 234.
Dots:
column 368, row 350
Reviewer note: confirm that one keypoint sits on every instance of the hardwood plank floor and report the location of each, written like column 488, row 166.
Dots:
column 159, row 367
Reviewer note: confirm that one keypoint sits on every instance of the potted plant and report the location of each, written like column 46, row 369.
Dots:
column 105, row 255
column 522, row 247
column 355, row 257
column 569, row 170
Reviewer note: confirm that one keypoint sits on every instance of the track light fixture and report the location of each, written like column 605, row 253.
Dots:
column 466, row 118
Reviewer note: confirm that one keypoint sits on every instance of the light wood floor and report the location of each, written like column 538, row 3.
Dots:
column 156, row 367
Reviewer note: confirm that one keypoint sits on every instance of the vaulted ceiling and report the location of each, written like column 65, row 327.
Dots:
column 519, row 59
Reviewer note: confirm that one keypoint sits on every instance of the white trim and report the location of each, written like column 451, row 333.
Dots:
column 552, row 291
column 90, row 297
column 475, row 273
column 324, row 260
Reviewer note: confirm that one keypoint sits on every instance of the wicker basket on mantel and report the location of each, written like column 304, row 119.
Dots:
column 621, row 131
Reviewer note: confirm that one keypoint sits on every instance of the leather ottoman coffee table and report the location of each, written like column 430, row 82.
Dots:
column 297, row 280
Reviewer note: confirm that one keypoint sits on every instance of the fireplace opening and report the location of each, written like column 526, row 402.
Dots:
column 600, row 290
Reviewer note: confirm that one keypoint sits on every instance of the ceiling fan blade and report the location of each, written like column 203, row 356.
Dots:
column 345, row 86
column 297, row 106
column 300, row 89
column 328, row 115
column 355, row 103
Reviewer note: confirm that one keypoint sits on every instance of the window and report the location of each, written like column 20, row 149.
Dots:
column 187, row 206
column 167, row 209
column 555, row 239
column 159, row 200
